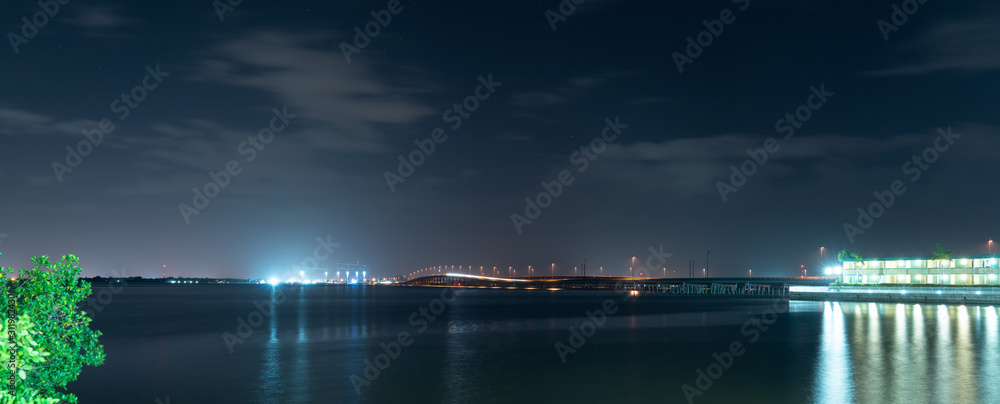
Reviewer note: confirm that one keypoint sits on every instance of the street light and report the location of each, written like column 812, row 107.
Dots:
column 751, row 273
column 630, row 268
column 989, row 247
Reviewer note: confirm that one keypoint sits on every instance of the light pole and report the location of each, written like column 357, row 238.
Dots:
column 704, row 273
column 630, row 268
column 821, row 253
column 751, row 273
column 553, row 269
column 989, row 247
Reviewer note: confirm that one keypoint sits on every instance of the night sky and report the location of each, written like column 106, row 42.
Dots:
column 878, row 95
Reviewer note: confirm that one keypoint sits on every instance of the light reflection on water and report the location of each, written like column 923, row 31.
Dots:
column 907, row 354
column 833, row 382
column 270, row 386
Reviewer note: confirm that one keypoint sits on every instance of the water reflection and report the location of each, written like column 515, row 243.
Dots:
column 907, row 354
column 990, row 352
column 269, row 386
column 300, row 366
column 833, row 377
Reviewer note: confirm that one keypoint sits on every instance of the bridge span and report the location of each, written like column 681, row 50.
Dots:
column 743, row 287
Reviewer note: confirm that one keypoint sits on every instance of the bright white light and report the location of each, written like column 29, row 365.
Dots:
column 485, row 277
column 939, row 292
column 273, row 281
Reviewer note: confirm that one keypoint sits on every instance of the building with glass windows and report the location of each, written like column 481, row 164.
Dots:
column 972, row 270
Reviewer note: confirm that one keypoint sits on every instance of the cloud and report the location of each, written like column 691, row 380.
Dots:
column 557, row 95
column 967, row 45
column 343, row 107
column 21, row 122
column 98, row 17
column 691, row 166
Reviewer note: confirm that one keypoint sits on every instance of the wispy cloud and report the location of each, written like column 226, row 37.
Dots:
column 15, row 121
column 691, row 166
column 961, row 45
column 343, row 107
column 98, row 17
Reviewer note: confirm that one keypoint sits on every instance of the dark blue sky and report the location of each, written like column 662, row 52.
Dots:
column 657, row 183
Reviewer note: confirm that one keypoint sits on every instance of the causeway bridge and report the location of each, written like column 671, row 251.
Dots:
column 736, row 287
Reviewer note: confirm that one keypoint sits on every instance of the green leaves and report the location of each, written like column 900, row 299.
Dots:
column 53, row 339
column 941, row 254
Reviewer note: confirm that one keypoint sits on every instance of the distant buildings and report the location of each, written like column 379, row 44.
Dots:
column 971, row 270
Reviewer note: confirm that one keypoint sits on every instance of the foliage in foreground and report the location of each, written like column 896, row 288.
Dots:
column 53, row 338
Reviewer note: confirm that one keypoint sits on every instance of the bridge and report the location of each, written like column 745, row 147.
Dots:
column 743, row 287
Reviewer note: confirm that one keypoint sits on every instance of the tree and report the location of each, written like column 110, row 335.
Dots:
column 843, row 255
column 50, row 324
column 941, row 254
column 27, row 357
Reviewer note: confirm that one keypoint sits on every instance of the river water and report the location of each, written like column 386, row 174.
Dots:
column 355, row 344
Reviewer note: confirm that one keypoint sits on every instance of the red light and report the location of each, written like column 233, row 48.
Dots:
column 802, row 266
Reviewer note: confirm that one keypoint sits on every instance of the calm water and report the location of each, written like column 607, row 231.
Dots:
column 499, row 346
